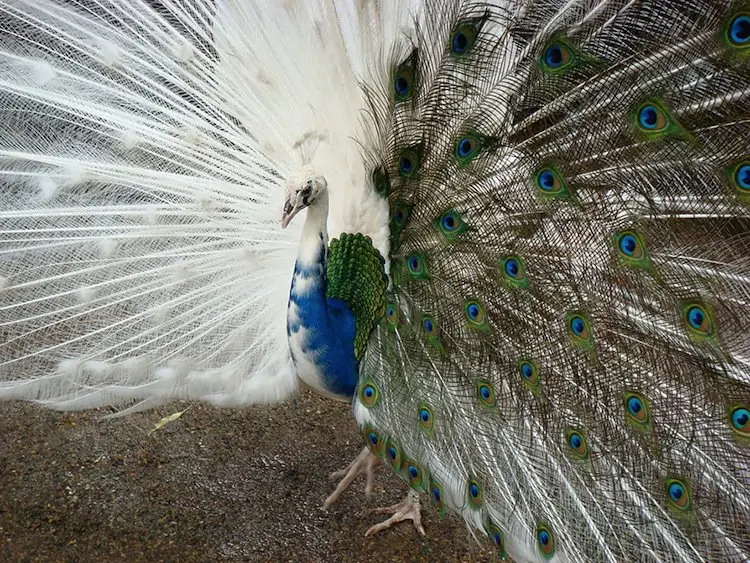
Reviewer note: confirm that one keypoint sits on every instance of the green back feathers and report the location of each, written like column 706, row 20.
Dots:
column 355, row 275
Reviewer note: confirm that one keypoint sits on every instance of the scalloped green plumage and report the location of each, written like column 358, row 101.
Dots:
column 356, row 275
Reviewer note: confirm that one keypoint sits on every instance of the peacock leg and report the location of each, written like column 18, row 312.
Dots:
column 407, row 509
column 365, row 463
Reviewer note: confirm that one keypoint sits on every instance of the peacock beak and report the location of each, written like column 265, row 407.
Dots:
column 289, row 212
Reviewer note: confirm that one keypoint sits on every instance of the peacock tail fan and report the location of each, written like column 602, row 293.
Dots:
column 565, row 358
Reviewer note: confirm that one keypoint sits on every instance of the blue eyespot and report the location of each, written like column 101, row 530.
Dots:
column 424, row 414
column 648, row 117
column 628, row 244
column 402, row 86
column 428, row 326
column 465, row 146
column 406, row 164
column 553, row 56
column 463, row 37
column 413, row 472
column 696, row 316
column 527, row 370
column 577, row 325
column 511, row 267
column 676, row 491
column 546, row 541
column 575, row 440
column 485, row 391
column 635, row 405
column 473, row 311
column 449, row 222
column 460, row 42
column 547, row 180
column 740, row 418
column 739, row 30
column 743, row 177
column 392, row 453
column 373, row 438
column 476, row 497
column 436, row 494
column 368, row 394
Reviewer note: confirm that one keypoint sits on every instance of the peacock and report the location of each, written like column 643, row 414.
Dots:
column 537, row 291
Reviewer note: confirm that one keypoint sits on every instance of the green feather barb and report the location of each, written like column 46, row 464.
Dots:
column 356, row 275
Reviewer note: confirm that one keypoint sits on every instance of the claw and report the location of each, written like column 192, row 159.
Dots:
column 408, row 509
column 365, row 462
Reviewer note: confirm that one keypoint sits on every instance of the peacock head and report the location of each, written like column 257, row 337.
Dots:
column 301, row 193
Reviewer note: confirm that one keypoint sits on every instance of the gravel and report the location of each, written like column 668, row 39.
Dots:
column 239, row 485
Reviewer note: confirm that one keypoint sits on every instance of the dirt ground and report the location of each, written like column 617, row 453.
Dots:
column 237, row 485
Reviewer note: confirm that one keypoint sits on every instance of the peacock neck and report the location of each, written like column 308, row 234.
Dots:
column 315, row 233
column 320, row 332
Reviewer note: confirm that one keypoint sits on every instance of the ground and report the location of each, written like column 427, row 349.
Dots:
column 239, row 485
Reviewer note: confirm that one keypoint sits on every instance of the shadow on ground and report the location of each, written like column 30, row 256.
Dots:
column 239, row 485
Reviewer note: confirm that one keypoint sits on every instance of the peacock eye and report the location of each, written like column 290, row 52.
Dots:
column 743, row 177
column 306, row 191
column 463, row 37
column 557, row 57
column 739, row 30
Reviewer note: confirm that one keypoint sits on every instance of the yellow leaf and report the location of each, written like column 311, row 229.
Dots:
column 166, row 420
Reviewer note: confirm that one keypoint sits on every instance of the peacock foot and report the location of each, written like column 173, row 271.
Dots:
column 408, row 509
column 365, row 463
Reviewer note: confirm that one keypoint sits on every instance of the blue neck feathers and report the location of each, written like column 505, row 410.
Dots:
column 320, row 331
